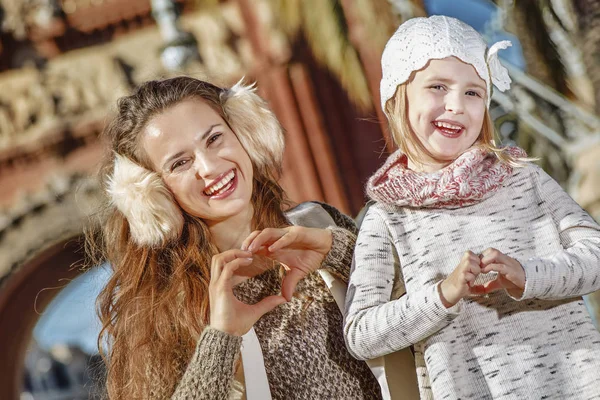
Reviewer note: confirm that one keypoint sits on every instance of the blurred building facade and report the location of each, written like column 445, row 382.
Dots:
column 64, row 373
column 64, row 63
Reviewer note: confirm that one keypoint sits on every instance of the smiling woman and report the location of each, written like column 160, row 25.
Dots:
column 202, row 252
column 202, row 163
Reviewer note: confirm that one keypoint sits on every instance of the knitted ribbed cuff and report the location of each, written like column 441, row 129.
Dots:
column 218, row 349
column 339, row 257
column 535, row 278
column 211, row 370
column 451, row 312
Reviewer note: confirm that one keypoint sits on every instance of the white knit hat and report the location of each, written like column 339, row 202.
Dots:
column 419, row 40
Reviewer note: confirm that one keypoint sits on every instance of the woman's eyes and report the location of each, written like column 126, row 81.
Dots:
column 180, row 163
column 473, row 93
column 437, row 87
column 213, row 138
column 177, row 164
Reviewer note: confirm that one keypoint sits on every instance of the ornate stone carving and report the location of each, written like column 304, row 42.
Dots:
column 54, row 214
column 20, row 15
column 81, row 85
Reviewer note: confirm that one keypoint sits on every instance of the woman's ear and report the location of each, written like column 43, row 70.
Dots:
column 141, row 195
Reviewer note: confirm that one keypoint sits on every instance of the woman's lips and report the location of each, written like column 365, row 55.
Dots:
column 226, row 190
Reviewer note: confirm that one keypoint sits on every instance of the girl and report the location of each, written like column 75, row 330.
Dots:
column 191, row 173
column 456, row 218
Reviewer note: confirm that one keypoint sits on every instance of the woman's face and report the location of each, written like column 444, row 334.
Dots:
column 200, row 160
column 446, row 107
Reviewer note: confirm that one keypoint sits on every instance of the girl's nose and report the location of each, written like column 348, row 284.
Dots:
column 455, row 104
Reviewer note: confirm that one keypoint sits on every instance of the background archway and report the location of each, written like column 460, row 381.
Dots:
column 40, row 253
column 25, row 294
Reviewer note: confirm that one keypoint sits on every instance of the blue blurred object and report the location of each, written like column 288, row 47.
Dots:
column 71, row 316
column 480, row 14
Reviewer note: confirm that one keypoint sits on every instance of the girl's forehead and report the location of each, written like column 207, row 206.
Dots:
column 450, row 68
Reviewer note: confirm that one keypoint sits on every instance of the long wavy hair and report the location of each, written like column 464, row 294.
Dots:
column 155, row 304
column 408, row 142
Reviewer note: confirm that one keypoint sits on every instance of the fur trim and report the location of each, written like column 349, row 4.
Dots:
column 154, row 217
column 255, row 125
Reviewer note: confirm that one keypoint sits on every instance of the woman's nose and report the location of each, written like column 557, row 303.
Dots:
column 205, row 166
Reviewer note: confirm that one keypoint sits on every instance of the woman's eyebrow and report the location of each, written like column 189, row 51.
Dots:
column 207, row 132
column 173, row 157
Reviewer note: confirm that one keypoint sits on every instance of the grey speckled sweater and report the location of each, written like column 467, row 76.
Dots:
column 542, row 346
column 302, row 342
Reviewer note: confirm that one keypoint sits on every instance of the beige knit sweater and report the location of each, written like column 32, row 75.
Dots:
column 302, row 343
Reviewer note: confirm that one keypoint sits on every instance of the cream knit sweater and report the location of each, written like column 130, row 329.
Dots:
column 541, row 346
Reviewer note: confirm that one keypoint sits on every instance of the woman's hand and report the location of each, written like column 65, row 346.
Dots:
column 460, row 282
column 511, row 275
column 301, row 249
column 227, row 313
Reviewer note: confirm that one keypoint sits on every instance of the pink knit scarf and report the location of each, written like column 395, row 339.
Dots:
column 472, row 177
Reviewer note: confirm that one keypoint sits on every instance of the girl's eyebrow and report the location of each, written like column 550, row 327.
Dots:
column 450, row 81
column 180, row 153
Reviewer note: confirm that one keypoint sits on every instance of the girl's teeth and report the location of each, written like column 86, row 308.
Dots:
column 447, row 126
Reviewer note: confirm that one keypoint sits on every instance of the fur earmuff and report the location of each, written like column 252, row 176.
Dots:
column 256, row 126
column 154, row 217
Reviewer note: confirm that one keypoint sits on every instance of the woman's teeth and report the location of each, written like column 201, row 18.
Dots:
column 221, row 186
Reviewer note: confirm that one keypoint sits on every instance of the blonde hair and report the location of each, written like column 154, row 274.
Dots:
column 407, row 141
column 155, row 304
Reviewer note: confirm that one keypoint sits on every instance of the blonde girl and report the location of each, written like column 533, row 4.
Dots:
column 492, row 255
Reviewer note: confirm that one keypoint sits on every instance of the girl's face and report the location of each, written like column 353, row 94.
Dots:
column 200, row 160
column 446, row 107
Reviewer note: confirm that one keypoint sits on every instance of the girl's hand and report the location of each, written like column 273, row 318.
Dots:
column 227, row 313
column 301, row 249
column 460, row 282
column 511, row 275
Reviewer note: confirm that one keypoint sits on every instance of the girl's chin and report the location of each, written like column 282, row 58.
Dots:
column 448, row 152
column 447, row 156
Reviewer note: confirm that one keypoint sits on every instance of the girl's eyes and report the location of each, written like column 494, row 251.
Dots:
column 468, row 92
column 473, row 93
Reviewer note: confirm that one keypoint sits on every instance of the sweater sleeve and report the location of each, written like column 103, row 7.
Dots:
column 575, row 271
column 339, row 258
column 375, row 325
column 209, row 375
column 341, row 220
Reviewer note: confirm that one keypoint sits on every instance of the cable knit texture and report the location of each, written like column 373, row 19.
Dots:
column 302, row 343
column 472, row 177
column 420, row 40
column 544, row 346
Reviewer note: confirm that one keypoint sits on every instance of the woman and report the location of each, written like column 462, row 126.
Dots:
column 196, row 236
